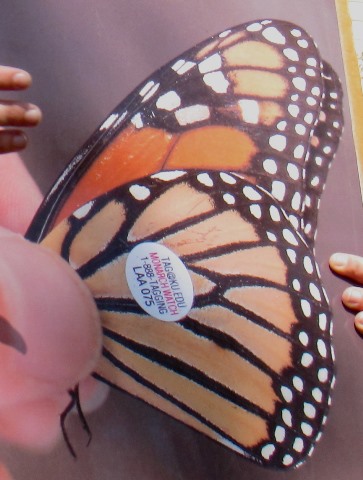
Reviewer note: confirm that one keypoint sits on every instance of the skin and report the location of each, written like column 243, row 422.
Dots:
column 13, row 114
column 50, row 333
column 351, row 267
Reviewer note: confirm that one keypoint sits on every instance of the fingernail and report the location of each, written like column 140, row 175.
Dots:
column 19, row 141
column 33, row 115
column 353, row 297
column 339, row 259
column 22, row 79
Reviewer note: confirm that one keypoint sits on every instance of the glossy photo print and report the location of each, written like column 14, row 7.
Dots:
column 196, row 216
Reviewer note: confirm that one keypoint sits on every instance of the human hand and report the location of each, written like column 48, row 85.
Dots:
column 14, row 114
column 50, row 333
column 351, row 267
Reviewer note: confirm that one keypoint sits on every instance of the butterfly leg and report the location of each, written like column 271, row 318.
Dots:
column 74, row 402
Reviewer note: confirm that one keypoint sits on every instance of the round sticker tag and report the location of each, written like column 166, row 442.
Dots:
column 159, row 281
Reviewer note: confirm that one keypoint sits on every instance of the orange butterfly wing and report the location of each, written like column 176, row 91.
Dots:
column 250, row 364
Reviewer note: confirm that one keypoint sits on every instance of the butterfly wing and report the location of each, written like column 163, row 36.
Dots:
column 250, row 364
column 246, row 100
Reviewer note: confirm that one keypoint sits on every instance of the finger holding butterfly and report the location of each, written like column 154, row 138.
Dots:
column 15, row 114
column 50, row 336
column 4, row 473
column 351, row 267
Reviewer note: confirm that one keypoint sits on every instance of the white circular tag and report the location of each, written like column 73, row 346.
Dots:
column 159, row 281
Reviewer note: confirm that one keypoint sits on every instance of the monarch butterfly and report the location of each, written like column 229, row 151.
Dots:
column 195, row 202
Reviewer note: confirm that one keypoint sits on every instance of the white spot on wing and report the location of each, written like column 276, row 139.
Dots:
column 254, row 27
column 214, row 62
column 296, row 285
column 137, row 121
column 287, row 394
column 315, row 292
column 323, row 375
column 299, row 83
column 293, row 110
column 317, row 394
column 312, row 61
column 229, row 199
column 282, row 125
column 289, row 237
column 299, row 151
column 271, row 236
column 250, row 110
column 296, row 201
column 305, row 307
column 146, row 88
column 303, row 43
column 298, row 383
column 182, row 66
column 256, row 210
column 310, row 72
column 268, row 450
column 293, row 171
column 311, row 101
column 139, row 192
column 82, row 211
column 308, row 264
column 315, row 91
column 169, row 101
column 287, row 460
column 270, row 166
column 278, row 190
column 205, row 179
column 251, row 193
column 304, row 338
column 306, row 359
column 309, row 410
column 227, row 178
column 275, row 214
column 309, row 118
column 151, row 92
column 323, row 321
column 300, row 129
column 278, row 142
column 224, row 34
column 217, row 81
column 280, row 434
column 168, row 175
column 291, row 54
column 298, row 444
column 291, row 254
column 322, row 348
column 286, row 417
column 306, row 429
column 274, row 36
column 192, row 114
column 109, row 121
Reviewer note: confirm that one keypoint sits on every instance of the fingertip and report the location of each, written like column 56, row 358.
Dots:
column 22, row 79
column 358, row 323
column 338, row 261
column 33, row 115
column 12, row 141
column 353, row 298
